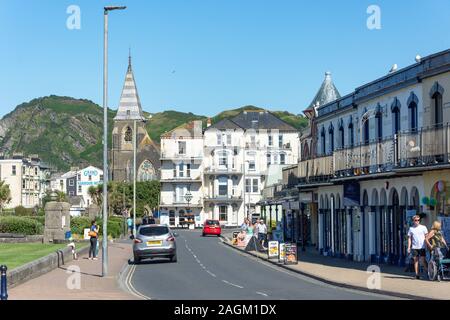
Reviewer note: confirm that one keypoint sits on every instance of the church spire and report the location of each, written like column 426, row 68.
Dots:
column 130, row 104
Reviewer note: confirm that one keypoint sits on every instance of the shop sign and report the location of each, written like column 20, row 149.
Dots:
column 273, row 249
column 281, row 253
column 290, row 255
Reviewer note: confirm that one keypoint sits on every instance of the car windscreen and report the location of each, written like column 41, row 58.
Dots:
column 154, row 231
column 212, row 223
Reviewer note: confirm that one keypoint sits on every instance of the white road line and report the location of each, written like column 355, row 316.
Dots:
column 232, row 284
column 130, row 287
column 212, row 274
column 262, row 293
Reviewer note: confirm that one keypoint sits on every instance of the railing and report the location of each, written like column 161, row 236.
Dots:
column 175, row 155
column 414, row 148
column 220, row 169
column 234, row 196
column 176, row 178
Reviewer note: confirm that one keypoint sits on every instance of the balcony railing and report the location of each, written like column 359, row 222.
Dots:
column 181, row 156
column 224, row 169
column 184, row 178
column 236, row 195
column 414, row 148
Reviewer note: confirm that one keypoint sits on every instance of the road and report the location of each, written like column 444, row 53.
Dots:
column 209, row 270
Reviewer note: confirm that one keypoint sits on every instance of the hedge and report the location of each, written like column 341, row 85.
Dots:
column 115, row 225
column 20, row 225
column 22, row 211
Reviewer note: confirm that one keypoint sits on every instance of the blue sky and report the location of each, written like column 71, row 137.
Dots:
column 205, row 56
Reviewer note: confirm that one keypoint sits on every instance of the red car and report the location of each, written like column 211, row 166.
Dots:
column 212, row 227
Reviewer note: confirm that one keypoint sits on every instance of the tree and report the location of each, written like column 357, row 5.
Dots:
column 5, row 194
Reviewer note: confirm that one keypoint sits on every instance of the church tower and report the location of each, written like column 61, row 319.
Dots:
column 147, row 152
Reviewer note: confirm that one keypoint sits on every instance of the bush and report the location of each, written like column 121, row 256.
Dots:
column 40, row 219
column 20, row 225
column 78, row 224
column 22, row 211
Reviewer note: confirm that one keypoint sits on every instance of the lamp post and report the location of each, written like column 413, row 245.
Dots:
column 134, row 178
column 188, row 196
column 105, row 139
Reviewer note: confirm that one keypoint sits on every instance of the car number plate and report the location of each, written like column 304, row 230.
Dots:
column 154, row 243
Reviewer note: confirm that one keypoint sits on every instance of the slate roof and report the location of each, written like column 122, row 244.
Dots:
column 327, row 92
column 130, row 104
column 254, row 120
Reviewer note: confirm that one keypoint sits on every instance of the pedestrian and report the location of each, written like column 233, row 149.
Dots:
column 245, row 225
column 416, row 244
column 93, row 234
column 130, row 226
column 435, row 240
column 262, row 232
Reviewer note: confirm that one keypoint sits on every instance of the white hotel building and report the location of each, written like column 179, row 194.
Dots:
column 228, row 165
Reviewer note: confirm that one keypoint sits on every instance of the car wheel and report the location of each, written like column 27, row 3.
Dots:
column 203, row 234
column 218, row 235
column 137, row 260
column 173, row 258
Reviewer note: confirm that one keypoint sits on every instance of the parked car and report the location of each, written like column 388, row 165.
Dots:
column 154, row 240
column 212, row 227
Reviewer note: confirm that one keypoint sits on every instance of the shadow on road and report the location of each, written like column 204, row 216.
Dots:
column 149, row 261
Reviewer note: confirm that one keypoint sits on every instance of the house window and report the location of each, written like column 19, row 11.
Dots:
column 255, row 186
column 282, row 158
column 223, row 186
column 229, row 139
column 223, row 159
column 280, row 141
column 379, row 120
column 23, row 170
column 35, row 171
column 181, row 170
column 79, row 177
column 223, row 213
column 181, row 147
column 71, row 182
column 395, row 120
column 270, row 140
column 341, row 136
column 101, row 177
column 251, row 165
column 437, row 106
column 331, row 136
column 248, row 185
column 322, row 136
column 79, row 189
column 253, row 140
column 269, row 159
column 13, row 170
column 188, row 170
column 412, row 116
column 351, row 139
column 71, row 193
column 219, row 138
column 90, row 178
column 23, row 183
column 174, row 170
column 366, row 130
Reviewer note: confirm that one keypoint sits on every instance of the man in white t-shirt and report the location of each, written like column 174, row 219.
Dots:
column 416, row 242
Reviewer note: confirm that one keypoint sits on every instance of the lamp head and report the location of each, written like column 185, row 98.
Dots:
column 111, row 8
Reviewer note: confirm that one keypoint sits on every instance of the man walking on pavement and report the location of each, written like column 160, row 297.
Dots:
column 416, row 241
column 262, row 232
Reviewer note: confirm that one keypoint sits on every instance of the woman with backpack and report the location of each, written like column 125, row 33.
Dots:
column 93, row 234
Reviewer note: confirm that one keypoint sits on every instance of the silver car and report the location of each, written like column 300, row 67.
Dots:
column 154, row 240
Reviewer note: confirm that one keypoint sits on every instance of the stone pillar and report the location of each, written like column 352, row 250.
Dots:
column 57, row 221
column 93, row 211
column 320, row 231
column 349, row 233
column 372, row 240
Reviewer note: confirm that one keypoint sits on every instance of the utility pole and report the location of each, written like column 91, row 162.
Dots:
column 105, row 139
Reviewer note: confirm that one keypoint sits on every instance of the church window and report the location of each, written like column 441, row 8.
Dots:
column 146, row 171
column 128, row 135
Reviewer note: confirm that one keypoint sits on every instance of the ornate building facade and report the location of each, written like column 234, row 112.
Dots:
column 129, row 116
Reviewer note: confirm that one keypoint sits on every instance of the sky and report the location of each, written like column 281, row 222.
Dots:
column 206, row 56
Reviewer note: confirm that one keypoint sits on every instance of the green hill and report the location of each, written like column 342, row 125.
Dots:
column 67, row 132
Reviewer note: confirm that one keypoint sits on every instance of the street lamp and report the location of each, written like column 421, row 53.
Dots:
column 105, row 139
column 188, row 197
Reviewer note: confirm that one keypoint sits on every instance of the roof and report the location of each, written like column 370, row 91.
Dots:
column 252, row 119
column 327, row 92
column 192, row 129
column 130, row 104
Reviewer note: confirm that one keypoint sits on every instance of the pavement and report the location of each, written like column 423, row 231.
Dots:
column 62, row 283
column 393, row 280
column 207, row 269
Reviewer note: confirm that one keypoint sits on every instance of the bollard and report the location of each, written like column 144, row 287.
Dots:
column 3, row 291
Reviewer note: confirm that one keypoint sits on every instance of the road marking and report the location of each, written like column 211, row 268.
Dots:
column 232, row 284
column 130, row 286
column 262, row 293
column 212, row 274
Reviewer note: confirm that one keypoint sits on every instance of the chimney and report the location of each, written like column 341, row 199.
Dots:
column 208, row 123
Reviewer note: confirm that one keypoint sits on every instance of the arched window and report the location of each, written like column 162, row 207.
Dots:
column 412, row 116
column 395, row 108
column 351, row 137
column 331, row 136
column 379, row 124
column 366, row 133
column 282, row 158
column 146, row 171
column 436, row 93
column 437, row 107
column 341, row 135
column 128, row 137
column 323, row 142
